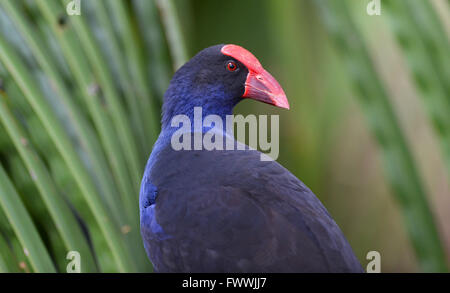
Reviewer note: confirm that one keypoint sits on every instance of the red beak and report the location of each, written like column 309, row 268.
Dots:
column 260, row 84
column 264, row 87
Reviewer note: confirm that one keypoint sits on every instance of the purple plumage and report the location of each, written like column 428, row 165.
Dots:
column 226, row 210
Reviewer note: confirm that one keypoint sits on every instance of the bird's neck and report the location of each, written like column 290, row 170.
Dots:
column 188, row 105
column 194, row 120
column 196, row 116
column 191, row 112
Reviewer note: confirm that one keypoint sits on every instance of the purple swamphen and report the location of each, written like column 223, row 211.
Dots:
column 227, row 210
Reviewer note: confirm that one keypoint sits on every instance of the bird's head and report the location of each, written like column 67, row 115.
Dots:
column 218, row 78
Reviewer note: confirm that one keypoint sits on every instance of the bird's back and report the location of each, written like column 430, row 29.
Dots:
column 228, row 211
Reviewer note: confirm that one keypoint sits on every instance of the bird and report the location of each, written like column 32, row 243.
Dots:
column 228, row 211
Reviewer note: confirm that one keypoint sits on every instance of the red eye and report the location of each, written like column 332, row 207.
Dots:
column 231, row 66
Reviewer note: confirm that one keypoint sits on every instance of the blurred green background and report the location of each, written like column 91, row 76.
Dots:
column 368, row 130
